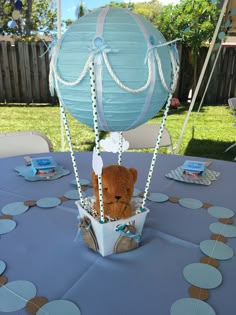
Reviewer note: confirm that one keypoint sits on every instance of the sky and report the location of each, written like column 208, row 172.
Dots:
column 68, row 6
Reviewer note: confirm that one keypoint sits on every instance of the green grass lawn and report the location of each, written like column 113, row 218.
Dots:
column 208, row 132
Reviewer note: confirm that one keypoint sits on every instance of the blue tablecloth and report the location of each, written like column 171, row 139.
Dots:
column 148, row 280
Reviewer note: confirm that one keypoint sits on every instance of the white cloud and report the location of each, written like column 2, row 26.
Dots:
column 97, row 162
column 111, row 143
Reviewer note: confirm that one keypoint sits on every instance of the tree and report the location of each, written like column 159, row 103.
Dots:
column 36, row 17
column 150, row 10
column 80, row 11
column 114, row 4
column 193, row 21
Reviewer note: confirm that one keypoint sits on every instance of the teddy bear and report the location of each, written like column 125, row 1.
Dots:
column 118, row 186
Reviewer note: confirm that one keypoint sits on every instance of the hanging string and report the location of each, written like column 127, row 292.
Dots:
column 120, row 84
column 97, row 146
column 153, row 47
column 155, row 153
column 53, row 66
column 174, row 69
column 68, row 134
column 72, row 154
column 103, row 51
column 120, row 147
column 49, row 47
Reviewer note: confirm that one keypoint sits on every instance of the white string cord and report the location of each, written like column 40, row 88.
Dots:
column 53, row 67
column 174, row 69
column 120, row 147
column 68, row 134
column 155, row 153
column 120, row 84
column 59, row 78
column 51, row 80
column 97, row 145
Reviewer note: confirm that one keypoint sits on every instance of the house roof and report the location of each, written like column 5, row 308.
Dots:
column 230, row 42
column 9, row 38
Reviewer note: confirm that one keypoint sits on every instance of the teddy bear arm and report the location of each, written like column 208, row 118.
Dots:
column 118, row 210
column 127, row 211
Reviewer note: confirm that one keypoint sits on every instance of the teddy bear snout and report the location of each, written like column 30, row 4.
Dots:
column 117, row 197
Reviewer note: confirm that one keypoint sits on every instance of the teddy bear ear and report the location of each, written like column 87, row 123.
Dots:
column 94, row 179
column 134, row 173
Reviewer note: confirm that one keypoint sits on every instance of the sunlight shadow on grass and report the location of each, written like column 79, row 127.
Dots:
column 210, row 149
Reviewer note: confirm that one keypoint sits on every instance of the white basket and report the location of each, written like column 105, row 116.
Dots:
column 106, row 233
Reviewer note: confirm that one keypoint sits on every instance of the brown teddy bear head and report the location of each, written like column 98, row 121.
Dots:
column 118, row 186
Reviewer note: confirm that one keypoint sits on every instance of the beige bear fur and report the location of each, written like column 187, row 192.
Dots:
column 118, row 186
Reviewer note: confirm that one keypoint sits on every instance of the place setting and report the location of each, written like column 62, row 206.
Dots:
column 41, row 169
column 194, row 172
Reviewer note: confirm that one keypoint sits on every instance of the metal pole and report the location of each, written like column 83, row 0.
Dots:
column 58, row 38
column 58, row 19
column 201, row 75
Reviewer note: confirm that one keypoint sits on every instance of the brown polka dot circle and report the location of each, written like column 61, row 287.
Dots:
column 198, row 293
column 206, row 205
column 3, row 280
column 63, row 198
column 210, row 261
column 30, row 203
column 226, row 220
column 219, row 238
column 174, row 199
column 35, row 303
column 6, row 217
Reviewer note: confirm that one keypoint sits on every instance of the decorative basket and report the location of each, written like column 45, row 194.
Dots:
column 108, row 235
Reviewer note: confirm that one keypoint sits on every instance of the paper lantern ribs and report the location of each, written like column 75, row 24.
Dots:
column 133, row 68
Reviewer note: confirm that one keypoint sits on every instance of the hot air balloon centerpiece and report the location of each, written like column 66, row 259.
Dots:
column 113, row 71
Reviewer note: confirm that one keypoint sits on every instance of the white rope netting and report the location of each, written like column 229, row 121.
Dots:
column 103, row 53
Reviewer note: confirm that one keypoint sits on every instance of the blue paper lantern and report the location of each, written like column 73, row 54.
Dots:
column 126, row 49
column 221, row 35
column 12, row 24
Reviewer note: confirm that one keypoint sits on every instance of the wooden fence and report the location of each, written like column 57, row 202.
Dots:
column 223, row 83
column 24, row 69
